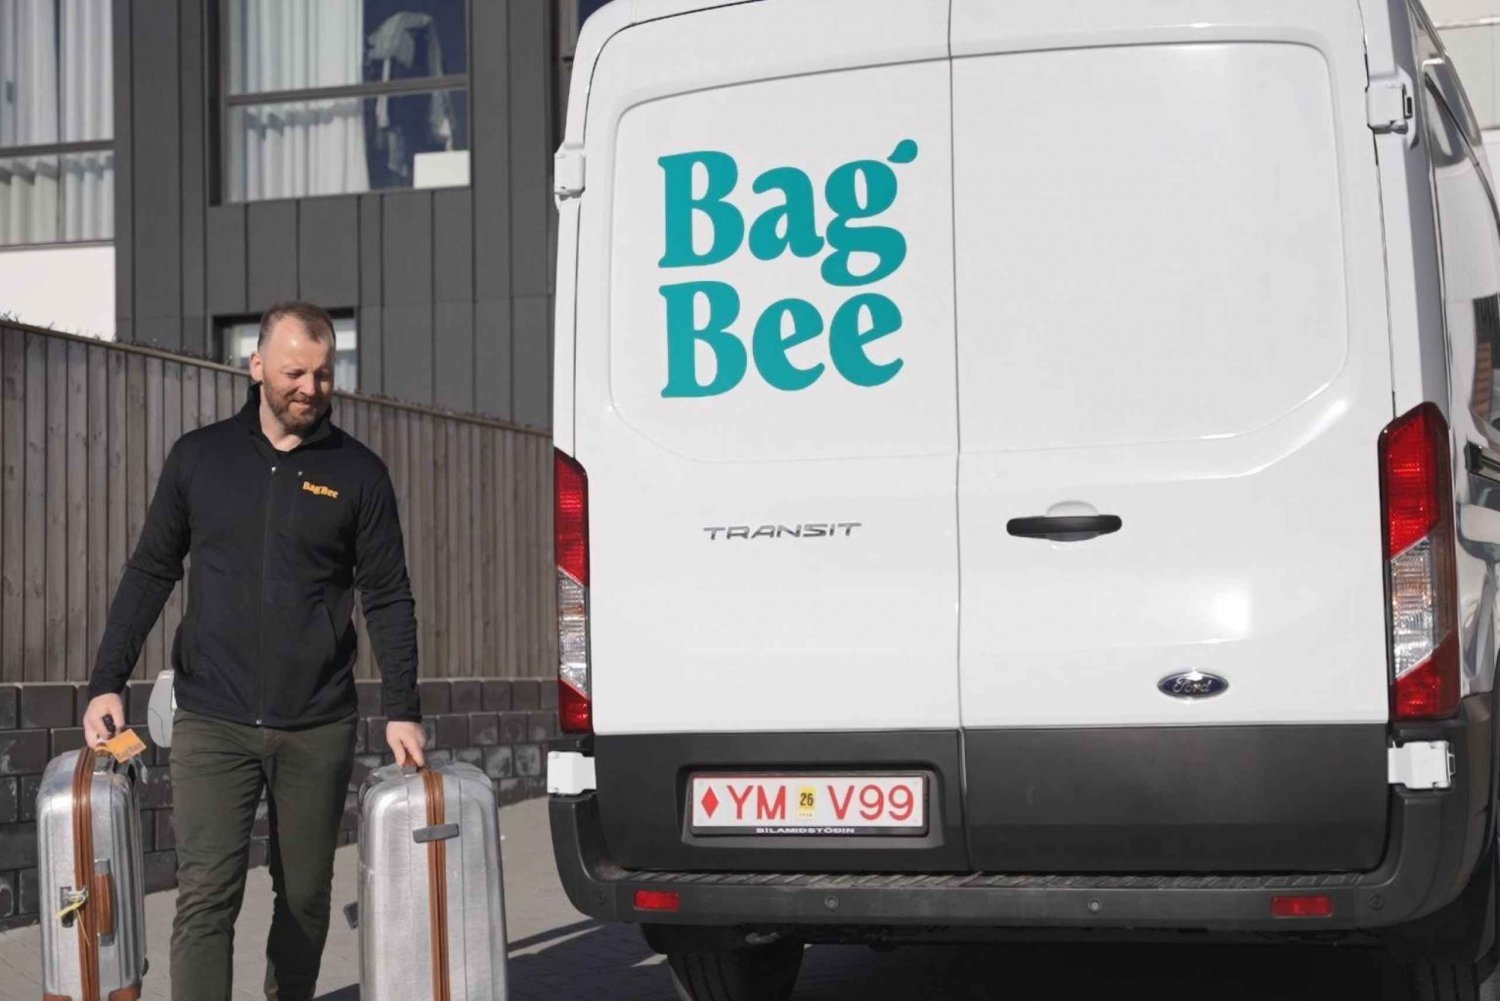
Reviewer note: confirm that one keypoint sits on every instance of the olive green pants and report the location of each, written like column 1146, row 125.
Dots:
column 219, row 771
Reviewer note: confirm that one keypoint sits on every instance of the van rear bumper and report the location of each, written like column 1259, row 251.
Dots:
column 1433, row 840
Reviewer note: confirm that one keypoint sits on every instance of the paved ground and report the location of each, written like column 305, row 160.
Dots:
column 556, row 955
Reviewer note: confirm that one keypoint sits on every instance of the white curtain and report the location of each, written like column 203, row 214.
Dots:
column 56, row 86
column 307, row 147
column 88, row 113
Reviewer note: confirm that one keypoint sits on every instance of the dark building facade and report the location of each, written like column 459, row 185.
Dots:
column 388, row 159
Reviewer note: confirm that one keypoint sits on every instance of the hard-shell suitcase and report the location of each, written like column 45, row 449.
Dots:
column 92, row 894
column 431, row 906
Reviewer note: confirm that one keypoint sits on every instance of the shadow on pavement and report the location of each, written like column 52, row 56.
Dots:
column 611, row 963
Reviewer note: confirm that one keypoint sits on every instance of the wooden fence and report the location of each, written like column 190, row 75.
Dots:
column 85, row 425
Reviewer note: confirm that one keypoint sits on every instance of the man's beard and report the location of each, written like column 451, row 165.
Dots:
column 290, row 420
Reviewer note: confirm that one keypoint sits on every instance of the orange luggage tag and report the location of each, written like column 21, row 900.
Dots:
column 123, row 746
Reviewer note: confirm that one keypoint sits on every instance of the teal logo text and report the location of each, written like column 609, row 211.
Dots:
column 857, row 253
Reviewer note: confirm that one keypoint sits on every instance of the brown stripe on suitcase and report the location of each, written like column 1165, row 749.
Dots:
column 83, row 872
column 437, row 888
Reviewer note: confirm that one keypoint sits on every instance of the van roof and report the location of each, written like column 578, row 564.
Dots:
column 611, row 19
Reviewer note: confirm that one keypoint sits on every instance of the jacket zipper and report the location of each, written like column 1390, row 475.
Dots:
column 260, row 610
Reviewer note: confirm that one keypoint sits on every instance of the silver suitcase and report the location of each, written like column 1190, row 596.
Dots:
column 431, row 907
column 92, row 895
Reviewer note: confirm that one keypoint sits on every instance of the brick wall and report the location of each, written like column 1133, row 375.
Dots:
column 502, row 727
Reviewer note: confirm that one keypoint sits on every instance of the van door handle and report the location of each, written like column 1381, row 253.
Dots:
column 1088, row 525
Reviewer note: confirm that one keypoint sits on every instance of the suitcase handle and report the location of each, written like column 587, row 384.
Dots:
column 104, row 895
column 437, row 832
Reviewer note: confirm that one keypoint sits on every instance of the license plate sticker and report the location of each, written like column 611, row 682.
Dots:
column 809, row 805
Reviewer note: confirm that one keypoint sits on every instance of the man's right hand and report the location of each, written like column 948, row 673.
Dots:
column 100, row 706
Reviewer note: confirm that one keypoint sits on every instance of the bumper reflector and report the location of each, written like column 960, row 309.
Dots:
column 657, row 900
column 1312, row 906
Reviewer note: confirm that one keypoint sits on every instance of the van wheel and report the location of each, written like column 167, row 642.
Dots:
column 759, row 973
column 1443, row 982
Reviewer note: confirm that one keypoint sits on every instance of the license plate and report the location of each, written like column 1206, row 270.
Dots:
column 815, row 805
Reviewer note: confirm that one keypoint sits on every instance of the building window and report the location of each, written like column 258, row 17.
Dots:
column 57, row 162
column 238, row 339
column 327, row 97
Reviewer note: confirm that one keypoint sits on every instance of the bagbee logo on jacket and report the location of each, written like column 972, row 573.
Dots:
column 321, row 491
column 704, row 312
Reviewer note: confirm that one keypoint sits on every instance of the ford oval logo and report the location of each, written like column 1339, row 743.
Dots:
column 1192, row 685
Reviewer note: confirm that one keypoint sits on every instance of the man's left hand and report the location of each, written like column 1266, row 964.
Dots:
column 406, row 741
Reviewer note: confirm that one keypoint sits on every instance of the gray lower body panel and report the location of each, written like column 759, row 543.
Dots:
column 1177, row 799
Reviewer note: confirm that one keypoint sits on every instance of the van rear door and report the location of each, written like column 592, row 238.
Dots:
column 1171, row 330
column 765, row 404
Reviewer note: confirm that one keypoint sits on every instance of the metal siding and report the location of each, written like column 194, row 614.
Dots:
column 489, row 84
column 328, row 242
column 271, row 253
column 453, row 245
column 124, row 175
column 533, row 363
column 406, row 350
column 194, row 198
column 368, row 343
column 530, row 145
column 406, row 243
column 55, row 662
column 453, row 347
column 157, row 238
column 492, row 358
column 225, row 253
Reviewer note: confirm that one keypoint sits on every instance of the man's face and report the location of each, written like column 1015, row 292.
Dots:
column 296, row 375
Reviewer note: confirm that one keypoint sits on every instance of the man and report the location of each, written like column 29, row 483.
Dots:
column 285, row 516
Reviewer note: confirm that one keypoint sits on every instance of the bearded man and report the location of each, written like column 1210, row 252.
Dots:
column 285, row 517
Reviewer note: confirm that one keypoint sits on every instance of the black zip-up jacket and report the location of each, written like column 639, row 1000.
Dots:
column 280, row 541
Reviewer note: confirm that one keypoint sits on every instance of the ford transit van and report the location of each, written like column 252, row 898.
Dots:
column 1026, row 468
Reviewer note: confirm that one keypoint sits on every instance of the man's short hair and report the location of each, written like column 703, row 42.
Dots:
column 314, row 319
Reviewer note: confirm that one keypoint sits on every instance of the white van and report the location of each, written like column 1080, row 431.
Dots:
column 1026, row 466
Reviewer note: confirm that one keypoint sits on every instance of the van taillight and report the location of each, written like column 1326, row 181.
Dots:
column 570, row 530
column 1416, row 492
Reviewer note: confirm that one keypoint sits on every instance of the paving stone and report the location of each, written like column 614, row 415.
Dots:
column 466, row 696
column 496, row 696
column 549, row 695
column 498, row 762
column 155, row 792
column 525, row 694
column 513, row 728
column 375, row 735
column 31, row 888
column 439, row 756
column 452, row 731
column 30, row 786
column 23, row 751
column 470, row 756
column 166, row 830
column 10, row 800
column 260, row 850
column 9, row 708
column 70, row 739
column 361, row 736
column 17, row 846
column 436, row 697
column 528, row 760
column 10, row 894
column 508, row 791
column 137, row 699
column 541, row 727
column 484, row 729
column 44, row 706
column 159, row 870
